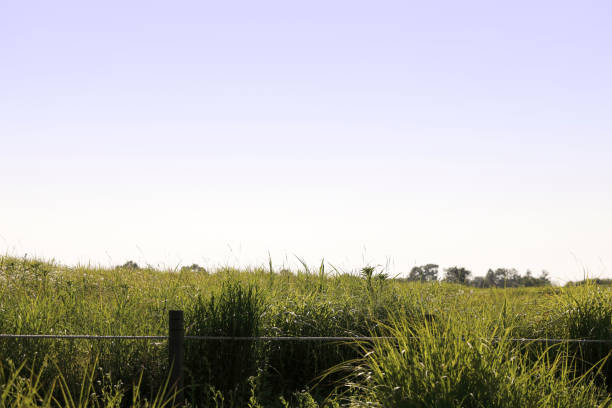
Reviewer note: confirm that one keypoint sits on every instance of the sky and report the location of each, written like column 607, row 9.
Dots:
column 392, row 133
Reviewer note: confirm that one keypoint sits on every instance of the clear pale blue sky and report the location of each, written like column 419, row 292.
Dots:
column 474, row 133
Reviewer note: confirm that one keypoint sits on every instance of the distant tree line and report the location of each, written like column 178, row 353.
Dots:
column 500, row 277
column 131, row 265
column 596, row 281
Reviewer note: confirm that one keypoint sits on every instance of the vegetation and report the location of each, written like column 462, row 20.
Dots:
column 498, row 278
column 451, row 343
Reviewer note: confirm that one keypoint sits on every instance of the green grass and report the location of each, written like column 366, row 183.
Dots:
column 463, row 356
column 461, row 365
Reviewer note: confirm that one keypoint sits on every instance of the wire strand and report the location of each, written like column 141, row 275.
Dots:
column 277, row 338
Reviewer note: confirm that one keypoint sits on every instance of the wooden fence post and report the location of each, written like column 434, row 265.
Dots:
column 176, row 349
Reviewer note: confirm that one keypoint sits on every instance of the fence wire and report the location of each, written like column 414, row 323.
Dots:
column 278, row 338
column 80, row 336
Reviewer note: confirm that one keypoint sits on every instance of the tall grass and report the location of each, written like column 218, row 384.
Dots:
column 449, row 363
column 23, row 387
column 455, row 361
column 235, row 311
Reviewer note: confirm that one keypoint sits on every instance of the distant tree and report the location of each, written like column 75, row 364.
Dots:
column 529, row 280
column 130, row 265
column 490, row 279
column 502, row 277
column 455, row 274
column 594, row 281
column 511, row 278
column 478, row 282
column 193, row 268
column 424, row 273
column 543, row 279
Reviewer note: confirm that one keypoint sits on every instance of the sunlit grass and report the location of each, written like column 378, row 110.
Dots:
column 455, row 362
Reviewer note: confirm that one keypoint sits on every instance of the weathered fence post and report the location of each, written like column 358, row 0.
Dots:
column 176, row 349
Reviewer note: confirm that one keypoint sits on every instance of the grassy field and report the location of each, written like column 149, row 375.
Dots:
column 452, row 346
